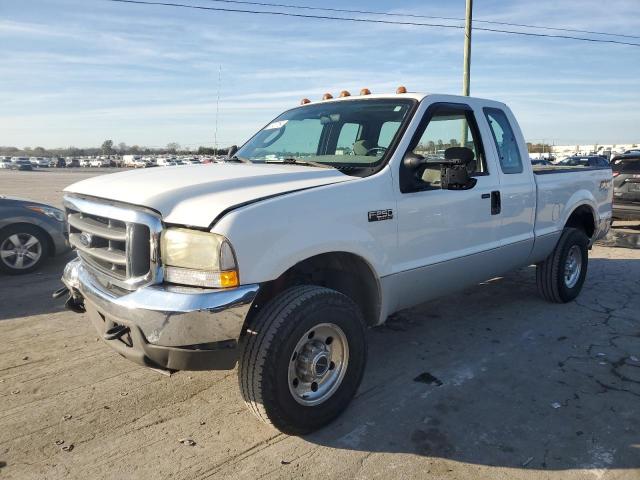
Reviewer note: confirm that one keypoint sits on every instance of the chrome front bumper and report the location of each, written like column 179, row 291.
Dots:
column 163, row 319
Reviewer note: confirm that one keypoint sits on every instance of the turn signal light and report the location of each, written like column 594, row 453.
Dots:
column 401, row 89
column 304, row 101
column 327, row 96
column 229, row 279
column 344, row 93
column 365, row 91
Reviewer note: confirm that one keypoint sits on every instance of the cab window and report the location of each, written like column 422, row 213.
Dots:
column 505, row 141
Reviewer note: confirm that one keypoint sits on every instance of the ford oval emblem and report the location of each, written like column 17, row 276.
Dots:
column 85, row 239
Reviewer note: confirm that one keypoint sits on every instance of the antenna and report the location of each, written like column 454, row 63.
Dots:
column 215, row 134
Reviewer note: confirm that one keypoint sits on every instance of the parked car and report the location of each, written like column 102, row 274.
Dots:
column 142, row 163
column 626, row 186
column 100, row 162
column 59, row 162
column 5, row 162
column 540, row 162
column 43, row 162
column 30, row 232
column 585, row 161
column 85, row 162
column 279, row 261
column 21, row 163
column 72, row 162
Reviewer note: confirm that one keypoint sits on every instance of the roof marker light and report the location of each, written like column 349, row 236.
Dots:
column 365, row 91
column 401, row 89
column 304, row 101
column 327, row 96
column 344, row 93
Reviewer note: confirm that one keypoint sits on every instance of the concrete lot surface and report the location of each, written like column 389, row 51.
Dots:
column 490, row 383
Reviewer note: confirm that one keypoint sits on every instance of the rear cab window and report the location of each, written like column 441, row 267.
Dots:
column 505, row 141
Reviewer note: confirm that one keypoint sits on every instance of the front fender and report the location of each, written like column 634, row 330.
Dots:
column 271, row 236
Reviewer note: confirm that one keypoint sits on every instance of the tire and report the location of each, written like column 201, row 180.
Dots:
column 302, row 319
column 558, row 278
column 28, row 240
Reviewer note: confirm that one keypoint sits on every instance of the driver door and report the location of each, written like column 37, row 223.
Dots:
column 446, row 238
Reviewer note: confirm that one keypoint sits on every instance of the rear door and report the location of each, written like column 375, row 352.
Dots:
column 517, row 185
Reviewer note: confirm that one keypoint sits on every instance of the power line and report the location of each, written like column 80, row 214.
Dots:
column 369, row 20
column 414, row 15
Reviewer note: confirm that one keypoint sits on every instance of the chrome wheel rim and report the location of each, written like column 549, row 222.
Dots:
column 572, row 266
column 20, row 251
column 318, row 364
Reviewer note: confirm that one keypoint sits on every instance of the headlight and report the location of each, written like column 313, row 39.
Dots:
column 48, row 211
column 202, row 259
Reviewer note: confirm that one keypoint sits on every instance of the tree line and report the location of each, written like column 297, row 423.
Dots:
column 107, row 148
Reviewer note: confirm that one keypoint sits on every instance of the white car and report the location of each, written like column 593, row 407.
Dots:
column 281, row 257
column 40, row 162
column 5, row 162
column 100, row 162
column 165, row 161
column 85, row 162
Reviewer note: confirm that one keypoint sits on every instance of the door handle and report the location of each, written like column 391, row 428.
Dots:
column 485, row 195
column 496, row 202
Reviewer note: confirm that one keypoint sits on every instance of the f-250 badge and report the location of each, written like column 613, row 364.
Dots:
column 378, row 215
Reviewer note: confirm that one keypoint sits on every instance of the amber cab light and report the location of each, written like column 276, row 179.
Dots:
column 344, row 93
column 365, row 91
column 401, row 89
column 327, row 96
column 304, row 101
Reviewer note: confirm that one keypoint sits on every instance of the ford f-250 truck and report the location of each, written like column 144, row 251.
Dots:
column 332, row 217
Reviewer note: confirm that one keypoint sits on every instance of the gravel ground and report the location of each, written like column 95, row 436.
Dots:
column 489, row 383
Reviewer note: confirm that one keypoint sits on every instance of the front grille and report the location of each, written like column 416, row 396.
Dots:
column 111, row 242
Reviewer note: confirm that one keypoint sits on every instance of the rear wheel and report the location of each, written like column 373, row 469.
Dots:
column 23, row 248
column 303, row 358
column 561, row 276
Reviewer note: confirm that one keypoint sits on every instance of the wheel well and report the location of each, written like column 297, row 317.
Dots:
column 345, row 272
column 50, row 245
column 582, row 218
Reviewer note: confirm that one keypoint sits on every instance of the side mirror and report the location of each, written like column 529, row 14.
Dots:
column 454, row 169
column 232, row 151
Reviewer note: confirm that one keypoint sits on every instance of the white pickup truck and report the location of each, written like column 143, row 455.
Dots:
column 332, row 217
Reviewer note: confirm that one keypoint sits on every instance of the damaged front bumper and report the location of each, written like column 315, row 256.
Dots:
column 161, row 326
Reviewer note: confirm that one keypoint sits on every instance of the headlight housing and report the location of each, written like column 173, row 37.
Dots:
column 48, row 211
column 202, row 259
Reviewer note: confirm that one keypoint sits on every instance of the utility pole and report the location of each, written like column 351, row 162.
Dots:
column 467, row 64
column 467, row 49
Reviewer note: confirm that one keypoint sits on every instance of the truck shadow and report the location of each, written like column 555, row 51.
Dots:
column 496, row 376
column 30, row 294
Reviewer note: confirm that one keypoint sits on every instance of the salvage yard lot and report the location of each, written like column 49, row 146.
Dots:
column 492, row 382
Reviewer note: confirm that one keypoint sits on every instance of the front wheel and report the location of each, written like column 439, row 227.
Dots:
column 23, row 248
column 302, row 359
column 561, row 276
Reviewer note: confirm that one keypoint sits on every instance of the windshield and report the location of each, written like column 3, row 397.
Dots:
column 354, row 133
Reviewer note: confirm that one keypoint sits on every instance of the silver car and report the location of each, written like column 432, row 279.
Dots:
column 30, row 232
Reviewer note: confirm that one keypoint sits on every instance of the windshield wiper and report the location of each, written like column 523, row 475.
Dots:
column 236, row 158
column 299, row 161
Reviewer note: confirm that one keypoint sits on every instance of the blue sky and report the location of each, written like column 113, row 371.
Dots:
column 75, row 72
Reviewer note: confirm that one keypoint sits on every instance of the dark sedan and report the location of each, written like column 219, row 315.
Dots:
column 30, row 232
column 626, row 186
column 21, row 163
column 584, row 161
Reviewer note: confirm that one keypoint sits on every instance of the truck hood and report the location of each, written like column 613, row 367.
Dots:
column 195, row 195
